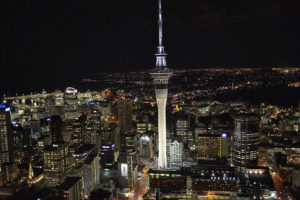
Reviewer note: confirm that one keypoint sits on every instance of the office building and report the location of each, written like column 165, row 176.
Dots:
column 55, row 129
column 70, row 103
column 209, row 177
column 93, row 128
column 107, row 155
column 182, row 127
column 129, row 140
column 246, row 140
column 212, row 145
column 9, row 173
column 91, row 176
column 80, row 154
column 146, row 146
column 128, row 167
column 125, row 115
column 45, row 126
column 78, row 125
column 174, row 153
column 6, row 137
column 56, row 164
column 71, row 189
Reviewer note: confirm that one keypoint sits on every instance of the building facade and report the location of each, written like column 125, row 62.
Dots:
column 246, row 140
column 6, row 137
column 174, row 154
column 56, row 164
column 125, row 115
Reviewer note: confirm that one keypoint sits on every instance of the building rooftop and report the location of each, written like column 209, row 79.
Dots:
column 84, row 148
column 68, row 183
column 90, row 158
column 212, row 162
column 54, row 146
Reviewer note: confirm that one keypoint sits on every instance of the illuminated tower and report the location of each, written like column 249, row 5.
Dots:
column 161, row 75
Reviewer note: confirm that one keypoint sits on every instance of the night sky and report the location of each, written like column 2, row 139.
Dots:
column 46, row 42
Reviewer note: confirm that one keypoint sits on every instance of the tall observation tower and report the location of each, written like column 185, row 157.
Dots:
column 161, row 75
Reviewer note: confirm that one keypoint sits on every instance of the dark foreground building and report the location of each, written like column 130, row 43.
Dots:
column 211, row 178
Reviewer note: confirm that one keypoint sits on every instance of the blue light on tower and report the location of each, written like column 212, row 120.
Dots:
column 224, row 135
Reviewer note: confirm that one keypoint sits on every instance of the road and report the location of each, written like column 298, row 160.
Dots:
column 282, row 193
column 141, row 185
column 140, row 188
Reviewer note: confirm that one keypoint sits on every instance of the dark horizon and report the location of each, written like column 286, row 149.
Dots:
column 64, row 41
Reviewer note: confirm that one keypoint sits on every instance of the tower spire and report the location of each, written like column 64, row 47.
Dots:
column 160, row 31
column 161, row 62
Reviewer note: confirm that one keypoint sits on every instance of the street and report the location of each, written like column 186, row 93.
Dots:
column 140, row 188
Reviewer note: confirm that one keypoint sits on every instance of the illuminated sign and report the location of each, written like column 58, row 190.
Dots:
column 7, row 109
column 108, row 147
column 2, row 106
column 124, row 169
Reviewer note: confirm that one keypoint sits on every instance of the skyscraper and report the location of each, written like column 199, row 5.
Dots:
column 246, row 140
column 161, row 75
column 56, row 164
column 125, row 115
column 55, row 129
column 6, row 137
column 71, row 103
column 175, row 153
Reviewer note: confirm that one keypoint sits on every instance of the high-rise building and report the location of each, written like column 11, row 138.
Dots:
column 9, row 172
column 129, row 140
column 144, row 125
column 93, row 128
column 91, row 173
column 161, row 75
column 78, row 129
column 246, row 140
column 111, row 135
column 182, row 127
column 87, row 167
column 56, row 164
column 50, row 107
column 107, row 155
column 21, row 136
column 6, row 137
column 55, row 129
column 71, row 189
column 146, row 146
column 70, row 103
column 174, row 154
column 128, row 167
column 125, row 115
column 45, row 126
column 212, row 145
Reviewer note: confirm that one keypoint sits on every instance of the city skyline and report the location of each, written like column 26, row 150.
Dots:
column 80, row 119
